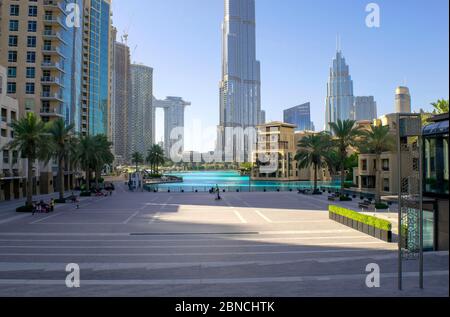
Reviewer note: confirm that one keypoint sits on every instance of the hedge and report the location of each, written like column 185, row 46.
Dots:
column 365, row 219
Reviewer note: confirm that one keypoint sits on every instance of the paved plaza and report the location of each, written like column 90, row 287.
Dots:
column 189, row 244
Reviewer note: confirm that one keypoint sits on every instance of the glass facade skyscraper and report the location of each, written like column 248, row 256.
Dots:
column 339, row 102
column 365, row 108
column 240, row 88
column 300, row 116
column 97, row 68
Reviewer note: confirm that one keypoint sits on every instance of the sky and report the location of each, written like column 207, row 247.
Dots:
column 296, row 41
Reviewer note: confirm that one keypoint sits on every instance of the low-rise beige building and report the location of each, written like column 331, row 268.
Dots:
column 275, row 154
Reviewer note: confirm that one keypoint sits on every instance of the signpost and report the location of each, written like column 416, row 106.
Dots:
column 410, row 196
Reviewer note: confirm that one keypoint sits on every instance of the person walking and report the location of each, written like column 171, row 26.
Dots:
column 218, row 193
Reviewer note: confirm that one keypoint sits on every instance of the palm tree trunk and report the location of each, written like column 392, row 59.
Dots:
column 30, row 183
column 97, row 178
column 88, row 179
column 315, row 178
column 61, row 178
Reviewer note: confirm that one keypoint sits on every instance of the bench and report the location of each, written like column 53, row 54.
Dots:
column 365, row 205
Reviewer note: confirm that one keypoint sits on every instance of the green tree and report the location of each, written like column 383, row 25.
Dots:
column 31, row 141
column 376, row 141
column 155, row 158
column 137, row 158
column 346, row 135
column 60, row 136
column 313, row 151
column 440, row 106
column 85, row 156
column 103, row 155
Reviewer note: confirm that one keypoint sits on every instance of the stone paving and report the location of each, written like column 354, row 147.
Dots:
column 189, row 244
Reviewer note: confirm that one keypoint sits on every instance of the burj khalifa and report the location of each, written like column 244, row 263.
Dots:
column 240, row 87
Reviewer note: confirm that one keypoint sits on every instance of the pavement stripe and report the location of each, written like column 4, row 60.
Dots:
column 14, row 218
column 263, row 216
column 206, row 254
column 215, row 281
column 241, row 218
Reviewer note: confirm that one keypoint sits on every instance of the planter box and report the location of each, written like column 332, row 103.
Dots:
column 364, row 228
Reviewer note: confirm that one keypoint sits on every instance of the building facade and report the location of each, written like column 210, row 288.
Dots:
column 300, row 116
column 12, row 178
column 97, row 68
column 121, row 101
column 275, row 153
column 340, row 99
column 240, row 87
column 365, row 108
column 174, row 109
column 141, row 114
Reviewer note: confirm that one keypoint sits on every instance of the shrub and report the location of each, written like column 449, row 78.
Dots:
column 85, row 194
column 368, row 220
column 25, row 209
column 345, row 198
column 381, row 206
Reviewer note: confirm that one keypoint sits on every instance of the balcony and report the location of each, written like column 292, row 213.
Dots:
column 53, row 4
column 52, row 20
column 52, row 35
column 49, row 113
column 52, row 50
column 52, row 66
column 48, row 96
column 50, row 80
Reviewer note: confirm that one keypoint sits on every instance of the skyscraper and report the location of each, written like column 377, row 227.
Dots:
column 300, row 116
column 339, row 102
column 174, row 108
column 141, row 114
column 402, row 100
column 121, row 97
column 365, row 108
column 43, row 57
column 97, row 68
column 240, row 88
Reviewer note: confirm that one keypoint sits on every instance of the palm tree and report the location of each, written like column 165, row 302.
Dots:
column 346, row 134
column 313, row 151
column 155, row 158
column 86, row 156
column 376, row 141
column 31, row 140
column 103, row 155
column 137, row 158
column 60, row 136
column 440, row 107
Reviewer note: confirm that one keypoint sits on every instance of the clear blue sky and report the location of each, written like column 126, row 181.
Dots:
column 296, row 41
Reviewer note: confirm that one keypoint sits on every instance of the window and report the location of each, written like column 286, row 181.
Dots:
column 385, row 165
column 12, row 41
column 31, row 57
column 15, row 157
column 31, row 41
column 12, row 88
column 32, row 26
column 29, row 88
column 12, row 57
column 12, row 72
column 31, row 72
column 386, row 185
column 32, row 11
column 14, row 10
column 5, row 156
column 436, row 162
column 364, row 165
column 4, row 115
column 13, row 26
column 4, row 133
column 1, row 84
